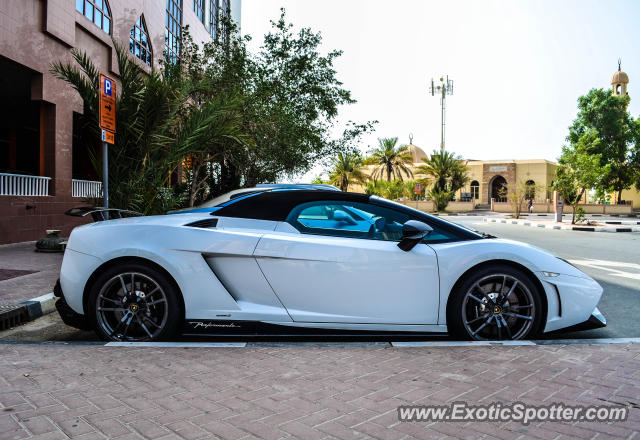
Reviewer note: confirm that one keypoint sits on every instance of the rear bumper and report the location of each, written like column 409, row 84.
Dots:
column 67, row 314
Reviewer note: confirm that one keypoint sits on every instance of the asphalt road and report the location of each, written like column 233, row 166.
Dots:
column 613, row 259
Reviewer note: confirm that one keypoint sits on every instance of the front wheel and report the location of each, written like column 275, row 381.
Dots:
column 498, row 302
column 134, row 302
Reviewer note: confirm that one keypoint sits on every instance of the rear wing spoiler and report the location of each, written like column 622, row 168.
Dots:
column 99, row 213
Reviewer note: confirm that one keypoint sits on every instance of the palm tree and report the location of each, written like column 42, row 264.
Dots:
column 347, row 169
column 391, row 160
column 448, row 172
column 159, row 126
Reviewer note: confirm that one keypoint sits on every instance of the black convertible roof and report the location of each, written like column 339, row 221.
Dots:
column 276, row 205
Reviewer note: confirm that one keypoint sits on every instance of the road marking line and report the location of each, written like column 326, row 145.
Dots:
column 516, row 343
column 458, row 343
column 178, row 344
column 612, row 267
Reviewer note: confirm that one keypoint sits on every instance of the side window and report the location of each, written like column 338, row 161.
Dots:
column 348, row 219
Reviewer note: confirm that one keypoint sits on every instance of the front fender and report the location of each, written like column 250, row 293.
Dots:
column 454, row 259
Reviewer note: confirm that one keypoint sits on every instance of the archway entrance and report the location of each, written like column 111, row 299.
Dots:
column 498, row 189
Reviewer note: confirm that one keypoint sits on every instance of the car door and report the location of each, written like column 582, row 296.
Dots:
column 345, row 266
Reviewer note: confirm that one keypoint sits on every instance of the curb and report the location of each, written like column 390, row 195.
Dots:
column 564, row 227
column 41, row 305
column 396, row 344
column 12, row 316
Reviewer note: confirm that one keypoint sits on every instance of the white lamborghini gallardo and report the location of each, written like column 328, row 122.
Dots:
column 296, row 260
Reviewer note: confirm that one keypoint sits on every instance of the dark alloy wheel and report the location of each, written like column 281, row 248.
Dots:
column 495, row 303
column 134, row 302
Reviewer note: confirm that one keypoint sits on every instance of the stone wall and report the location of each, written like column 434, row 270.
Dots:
column 427, row 206
column 506, row 207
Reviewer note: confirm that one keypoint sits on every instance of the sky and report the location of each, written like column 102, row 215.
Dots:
column 518, row 67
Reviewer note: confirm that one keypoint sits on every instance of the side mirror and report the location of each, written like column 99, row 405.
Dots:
column 341, row 216
column 413, row 231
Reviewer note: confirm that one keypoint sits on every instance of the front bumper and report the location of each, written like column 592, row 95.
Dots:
column 67, row 314
column 596, row 320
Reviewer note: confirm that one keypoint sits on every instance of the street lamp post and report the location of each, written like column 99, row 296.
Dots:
column 443, row 89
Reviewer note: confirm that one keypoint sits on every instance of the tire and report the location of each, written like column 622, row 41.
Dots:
column 495, row 302
column 151, row 311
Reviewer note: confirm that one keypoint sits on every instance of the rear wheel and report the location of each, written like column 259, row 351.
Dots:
column 497, row 302
column 134, row 302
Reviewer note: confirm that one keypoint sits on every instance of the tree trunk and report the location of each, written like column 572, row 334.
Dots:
column 194, row 184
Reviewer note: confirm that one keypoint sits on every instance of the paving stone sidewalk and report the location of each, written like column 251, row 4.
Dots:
column 304, row 392
column 16, row 286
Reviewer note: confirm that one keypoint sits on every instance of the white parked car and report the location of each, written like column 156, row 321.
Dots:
column 291, row 260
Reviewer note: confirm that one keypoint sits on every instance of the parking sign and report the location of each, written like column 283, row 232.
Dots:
column 107, row 103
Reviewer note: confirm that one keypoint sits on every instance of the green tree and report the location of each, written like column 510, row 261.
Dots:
column 606, row 116
column 159, row 125
column 448, row 173
column 391, row 161
column 291, row 98
column 346, row 169
column 389, row 189
column 520, row 192
column 580, row 170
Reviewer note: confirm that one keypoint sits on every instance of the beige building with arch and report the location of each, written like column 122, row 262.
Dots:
column 487, row 177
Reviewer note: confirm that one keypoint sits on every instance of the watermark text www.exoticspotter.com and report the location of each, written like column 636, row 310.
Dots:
column 517, row 412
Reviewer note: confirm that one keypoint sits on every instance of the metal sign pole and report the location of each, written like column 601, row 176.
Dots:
column 105, row 176
column 108, row 125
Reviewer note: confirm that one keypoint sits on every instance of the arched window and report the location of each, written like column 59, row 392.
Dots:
column 618, row 89
column 530, row 190
column 475, row 189
column 139, row 43
column 97, row 11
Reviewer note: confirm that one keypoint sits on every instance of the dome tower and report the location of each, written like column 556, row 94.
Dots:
column 619, row 81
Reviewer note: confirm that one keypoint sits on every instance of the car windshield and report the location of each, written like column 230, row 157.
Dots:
column 439, row 219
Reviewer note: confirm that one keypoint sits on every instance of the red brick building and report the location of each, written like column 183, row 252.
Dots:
column 43, row 172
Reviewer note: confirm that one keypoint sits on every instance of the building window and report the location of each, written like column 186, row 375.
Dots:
column 475, row 189
column 173, row 30
column 97, row 11
column 198, row 8
column 223, row 16
column 530, row 190
column 219, row 12
column 213, row 18
column 139, row 43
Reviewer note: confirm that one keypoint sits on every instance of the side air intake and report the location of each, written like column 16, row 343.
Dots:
column 206, row 223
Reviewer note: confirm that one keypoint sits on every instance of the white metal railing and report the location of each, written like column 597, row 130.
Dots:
column 86, row 188
column 23, row 185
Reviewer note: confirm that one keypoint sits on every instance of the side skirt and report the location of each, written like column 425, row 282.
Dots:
column 214, row 327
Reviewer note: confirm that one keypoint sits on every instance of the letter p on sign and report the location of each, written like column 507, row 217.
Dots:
column 107, row 86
